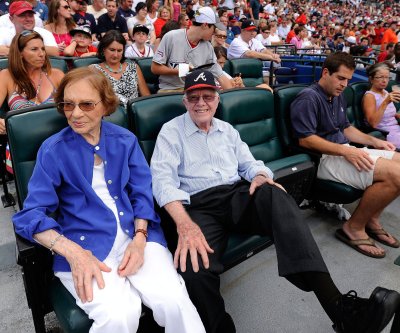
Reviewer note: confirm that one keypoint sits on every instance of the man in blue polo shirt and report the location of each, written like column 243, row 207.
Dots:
column 112, row 21
column 320, row 123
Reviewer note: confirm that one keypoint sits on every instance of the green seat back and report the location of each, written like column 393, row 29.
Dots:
column 85, row 61
column 150, row 78
column 359, row 89
column 3, row 63
column 59, row 63
column 256, row 125
column 228, row 67
column 119, row 117
column 283, row 97
column 27, row 129
column 349, row 95
column 148, row 114
column 251, row 70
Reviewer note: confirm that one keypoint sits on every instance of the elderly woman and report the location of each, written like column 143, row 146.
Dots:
column 126, row 77
column 109, row 249
column 378, row 107
column 29, row 79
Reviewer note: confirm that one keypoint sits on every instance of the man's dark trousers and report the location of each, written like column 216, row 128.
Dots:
column 269, row 211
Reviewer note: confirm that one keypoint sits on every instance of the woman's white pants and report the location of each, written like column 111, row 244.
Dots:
column 117, row 308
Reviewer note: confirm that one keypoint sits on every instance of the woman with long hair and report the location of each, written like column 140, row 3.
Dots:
column 152, row 10
column 184, row 21
column 29, row 79
column 126, row 78
column 60, row 23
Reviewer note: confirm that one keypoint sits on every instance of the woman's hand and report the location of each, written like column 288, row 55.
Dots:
column 394, row 96
column 133, row 257
column 61, row 47
column 84, row 267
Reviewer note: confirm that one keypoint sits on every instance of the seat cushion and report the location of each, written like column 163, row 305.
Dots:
column 330, row 191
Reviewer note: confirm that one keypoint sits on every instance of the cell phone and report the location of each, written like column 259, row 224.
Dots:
column 237, row 75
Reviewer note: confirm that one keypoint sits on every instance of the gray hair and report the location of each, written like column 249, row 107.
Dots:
column 372, row 70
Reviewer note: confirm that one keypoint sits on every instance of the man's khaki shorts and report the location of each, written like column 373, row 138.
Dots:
column 338, row 169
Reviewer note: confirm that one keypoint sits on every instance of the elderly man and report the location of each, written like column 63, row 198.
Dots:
column 181, row 50
column 23, row 18
column 207, row 180
column 320, row 123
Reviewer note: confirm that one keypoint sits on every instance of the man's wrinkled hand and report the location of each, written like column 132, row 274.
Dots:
column 192, row 240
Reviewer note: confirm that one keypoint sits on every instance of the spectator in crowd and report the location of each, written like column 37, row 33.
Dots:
column 126, row 78
column 183, row 21
column 81, row 43
column 383, row 56
column 274, row 38
column 112, row 21
column 219, row 38
column 245, row 46
column 40, row 9
column 170, row 25
column 205, row 200
column 4, row 5
column 389, row 36
column 378, row 107
column 372, row 170
column 152, row 8
column 121, row 250
column 284, row 28
column 254, row 11
column 379, row 30
column 125, row 9
column 176, row 10
column 189, row 9
column 172, row 63
column 164, row 15
column 97, row 8
column 263, row 36
column 299, row 35
column 22, row 16
column 291, row 33
column 139, row 48
column 141, row 18
column 60, row 23
column 5, row 21
column 29, row 79
column 82, row 18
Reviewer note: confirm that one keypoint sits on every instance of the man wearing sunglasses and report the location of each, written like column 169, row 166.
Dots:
column 182, row 50
column 22, row 16
column 208, row 182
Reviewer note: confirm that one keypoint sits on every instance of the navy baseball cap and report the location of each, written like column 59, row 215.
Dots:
column 200, row 79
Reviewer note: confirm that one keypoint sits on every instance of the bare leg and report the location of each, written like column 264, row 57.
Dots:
column 385, row 188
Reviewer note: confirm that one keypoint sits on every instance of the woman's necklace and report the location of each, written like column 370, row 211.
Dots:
column 38, row 88
column 113, row 71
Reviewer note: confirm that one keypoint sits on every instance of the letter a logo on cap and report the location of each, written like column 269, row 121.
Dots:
column 201, row 76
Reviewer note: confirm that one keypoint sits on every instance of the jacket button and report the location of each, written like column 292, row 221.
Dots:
column 116, row 197
column 121, row 213
column 109, row 181
column 82, row 238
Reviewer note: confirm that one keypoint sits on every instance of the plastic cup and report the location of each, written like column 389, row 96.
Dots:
column 396, row 87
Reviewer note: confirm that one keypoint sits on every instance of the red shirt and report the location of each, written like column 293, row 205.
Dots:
column 90, row 48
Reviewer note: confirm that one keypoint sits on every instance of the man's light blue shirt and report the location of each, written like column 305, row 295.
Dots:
column 187, row 160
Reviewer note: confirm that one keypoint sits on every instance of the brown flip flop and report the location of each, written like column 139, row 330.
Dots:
column 374, row 233
column 341, row 235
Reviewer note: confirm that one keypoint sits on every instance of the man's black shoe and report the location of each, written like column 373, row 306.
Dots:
column 359, row 315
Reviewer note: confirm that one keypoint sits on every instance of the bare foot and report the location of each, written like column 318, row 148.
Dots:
column 356, row 234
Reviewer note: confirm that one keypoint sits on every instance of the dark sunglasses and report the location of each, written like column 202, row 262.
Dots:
column 66, row 7
column 84, row 106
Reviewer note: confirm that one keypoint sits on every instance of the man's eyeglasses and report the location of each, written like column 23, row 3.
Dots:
column 194, row 99
column 66, row 7
column 84, row 106
column 382, row 78
column 221, row 36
